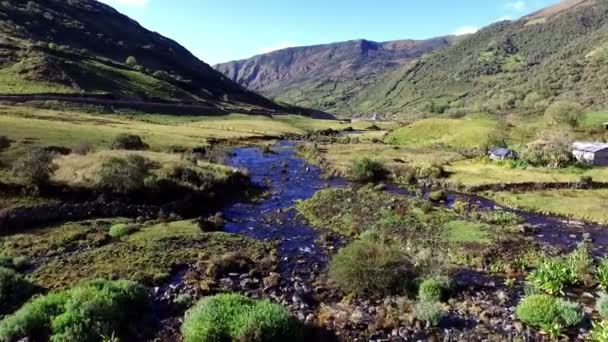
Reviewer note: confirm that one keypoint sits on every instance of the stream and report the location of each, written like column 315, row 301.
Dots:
column 289, row 179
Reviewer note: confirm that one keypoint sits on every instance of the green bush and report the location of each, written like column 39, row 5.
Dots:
column 564, row 113
column 546, row 312
column 551, row 276
column 428, row 311
column 35, row 166
column 599, row 333
column 129, row 142
column 602, row 274
column 124, row 175
column 85, row 313
column 434, row 288
column 368, row 267
column 14, row 290
column 438, row 196
column 367, row 170
column 233, row 317
column 131, row 61
column 120, row 230
column 601, row 305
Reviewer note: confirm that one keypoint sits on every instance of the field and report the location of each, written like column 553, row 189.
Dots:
column 589, row 205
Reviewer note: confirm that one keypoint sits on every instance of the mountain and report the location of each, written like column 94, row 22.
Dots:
column 84, row 46
column 326, row 77
column 558, row 53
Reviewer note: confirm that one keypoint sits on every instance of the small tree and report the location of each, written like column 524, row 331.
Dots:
column 128, row 142
column 4, row 143
column 551, row 149
column 35, row 166
column 131, row 61
column 124, row 175
column 564, row 113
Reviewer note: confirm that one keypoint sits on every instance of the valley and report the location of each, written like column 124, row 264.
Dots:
column 447, row 189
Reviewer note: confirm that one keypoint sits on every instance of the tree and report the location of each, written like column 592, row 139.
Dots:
column 131, row 61
column 35, row 166
column 564, row 113
column 551, row 149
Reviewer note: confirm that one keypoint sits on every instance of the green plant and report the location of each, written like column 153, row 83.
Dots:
column 601, row 305
column 599, row 333
column 368, row 267
column 120, row 230
column 434, row 288
column 35, row 166
column 129, row 142
column 602, row 274
column 124, row 175
column 551, row 276
column 563, row 112
column 367, row 170
column 428, row 311
column 580, row 264
column 14, row 290
column 548, row 313
column 438, row 196
column 86, row 312
column 233, row 317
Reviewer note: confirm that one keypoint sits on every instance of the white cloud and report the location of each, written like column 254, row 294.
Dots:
column 465, row 30
column 138, row 3
column 279, row 46
column 519, row 5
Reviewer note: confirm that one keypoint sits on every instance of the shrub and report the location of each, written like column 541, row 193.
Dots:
column 602, row 274
column 438, row 196
column 427, row 311
column 129, row 142
column 367, row 170
column 368, row 267
column 87, row 313
column 35, row 166
column 21, row 263
column 564, row 113
column 131, row 61
column 599, row 333
column 552, row 149
column 432, row 171
column 551, row 276
column 233, row 317
column 4, row 143
column 14, row 290
column 580, row 264
column 548, row 313
column 121, row 230
column 124, row 175
column 601, row 305
column 434, row 288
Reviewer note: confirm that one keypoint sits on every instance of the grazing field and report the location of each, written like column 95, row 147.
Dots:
column 455, row 133
column 589, row 205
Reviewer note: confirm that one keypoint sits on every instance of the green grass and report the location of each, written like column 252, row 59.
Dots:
column 456, row 133
column 74, row 252
column 12, row 82
column 465, row 231
column 595, row 120
column 580, row 204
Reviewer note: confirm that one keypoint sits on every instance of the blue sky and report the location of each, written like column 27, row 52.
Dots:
column 223, row 30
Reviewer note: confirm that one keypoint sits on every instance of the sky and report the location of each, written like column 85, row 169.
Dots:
column 224, row 30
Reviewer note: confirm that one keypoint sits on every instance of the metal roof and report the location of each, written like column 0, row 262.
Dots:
column 501, row 151
column 590, row 146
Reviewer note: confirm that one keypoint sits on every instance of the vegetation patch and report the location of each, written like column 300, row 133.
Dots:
column 73, row 252
column 234, row 317
column 89, row 312
column 14, row 290
column 548, row 313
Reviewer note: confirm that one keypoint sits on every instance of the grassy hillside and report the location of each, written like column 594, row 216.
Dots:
column 524, row 65
column 56, row 46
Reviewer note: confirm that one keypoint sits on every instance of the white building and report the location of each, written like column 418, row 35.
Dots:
column 593, row 153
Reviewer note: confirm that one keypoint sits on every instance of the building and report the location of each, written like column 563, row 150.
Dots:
column 592, row 153
column 502, row 153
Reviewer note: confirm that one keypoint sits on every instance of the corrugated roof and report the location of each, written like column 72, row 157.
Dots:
column 590, row 146
column 501, row 151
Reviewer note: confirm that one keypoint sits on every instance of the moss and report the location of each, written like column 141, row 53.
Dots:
column 148, row 255
column 464, row 231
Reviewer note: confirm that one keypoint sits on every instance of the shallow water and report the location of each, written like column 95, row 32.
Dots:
column 288, row 178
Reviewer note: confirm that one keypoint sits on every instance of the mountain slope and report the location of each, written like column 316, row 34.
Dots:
column 74, row 46
column 327, row 76
column 560, row 52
